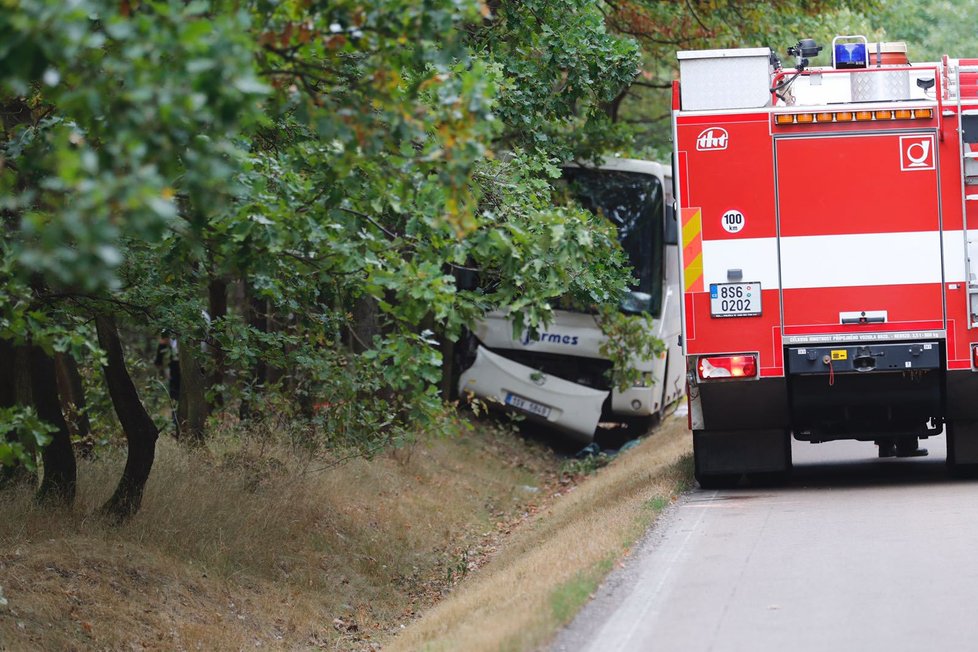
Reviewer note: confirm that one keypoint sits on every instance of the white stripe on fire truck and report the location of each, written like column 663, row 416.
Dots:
column 853, row 260
column 861, row 259
column 954, row 254
column 756, row 258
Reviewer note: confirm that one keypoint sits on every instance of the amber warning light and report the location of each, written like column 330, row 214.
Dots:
column 727, row 366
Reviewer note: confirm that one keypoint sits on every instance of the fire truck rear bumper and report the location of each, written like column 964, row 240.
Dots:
column 562, row 404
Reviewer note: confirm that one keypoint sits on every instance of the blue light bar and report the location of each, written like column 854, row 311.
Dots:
column 850, row 55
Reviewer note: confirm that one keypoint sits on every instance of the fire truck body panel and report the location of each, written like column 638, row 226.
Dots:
column 828, row 269
column 846, row 238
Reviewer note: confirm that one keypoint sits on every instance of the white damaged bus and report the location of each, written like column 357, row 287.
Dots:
column 558, row 375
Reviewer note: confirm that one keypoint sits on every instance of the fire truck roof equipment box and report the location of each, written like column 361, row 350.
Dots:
column 725, row 79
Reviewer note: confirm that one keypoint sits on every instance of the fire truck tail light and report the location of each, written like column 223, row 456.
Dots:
column 824, row 117
column 923, row 113
column 903, row 114
column 974, row 356
column 784, row 119
column 864, row 115
column 843, row 116
column 727, row 366
column 805, row 118
column 884, row 115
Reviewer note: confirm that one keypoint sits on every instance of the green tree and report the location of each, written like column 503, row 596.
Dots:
column 296, row 192
column 119, row 126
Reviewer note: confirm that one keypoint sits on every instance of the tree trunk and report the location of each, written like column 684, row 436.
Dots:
column 8, row 381
column 366, row 324
column 60, row 472
column 611, row 108
column 274, row 374
column 141, row 432
column 73, row 400
column 217, row 303
column 258, row 320
column 15, row 389
column 192, row 410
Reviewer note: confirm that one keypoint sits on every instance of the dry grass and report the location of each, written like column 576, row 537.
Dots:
column 242, row 546
column 549, row 568
column 247, row 547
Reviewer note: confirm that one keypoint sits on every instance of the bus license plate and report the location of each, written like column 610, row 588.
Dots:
column 527, row 405
column 735, row 299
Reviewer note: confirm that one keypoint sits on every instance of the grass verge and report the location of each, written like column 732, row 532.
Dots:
column 549, row 568
column 248, row 545
column 477, row 542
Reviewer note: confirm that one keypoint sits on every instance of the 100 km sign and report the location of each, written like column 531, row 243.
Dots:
column 733, row 221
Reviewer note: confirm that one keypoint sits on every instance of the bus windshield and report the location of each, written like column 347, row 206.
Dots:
column 634, row 204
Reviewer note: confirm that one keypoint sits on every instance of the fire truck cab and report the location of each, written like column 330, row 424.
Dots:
column 828, row 267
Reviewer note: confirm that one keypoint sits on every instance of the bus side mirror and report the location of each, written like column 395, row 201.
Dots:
column 671, row 226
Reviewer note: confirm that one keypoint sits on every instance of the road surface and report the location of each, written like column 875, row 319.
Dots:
column 855, row 553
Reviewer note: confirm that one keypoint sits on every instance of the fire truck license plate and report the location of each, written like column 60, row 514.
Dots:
column 527, row 405
column 735, row 299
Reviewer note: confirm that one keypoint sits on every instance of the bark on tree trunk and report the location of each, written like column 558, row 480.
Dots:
column 15, row 390
column 366, row 324
column 258, row 320
column 8, row 381
column 192, row 410
column 60, row 472
column 217, row 304
column 73, row 400
column 141, row 432
column 274, row 374
column 611, row 108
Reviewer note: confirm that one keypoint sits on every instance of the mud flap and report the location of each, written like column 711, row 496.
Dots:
column 734, row 452
column 962, row 444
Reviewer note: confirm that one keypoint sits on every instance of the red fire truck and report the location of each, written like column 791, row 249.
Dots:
column 827, row 262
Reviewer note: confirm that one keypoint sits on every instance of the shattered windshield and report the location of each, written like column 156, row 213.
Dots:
column 633, row 203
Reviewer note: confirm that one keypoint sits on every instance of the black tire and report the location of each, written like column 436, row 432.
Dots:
column 905, row 446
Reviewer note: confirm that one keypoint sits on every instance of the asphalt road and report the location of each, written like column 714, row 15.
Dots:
column 854, row 553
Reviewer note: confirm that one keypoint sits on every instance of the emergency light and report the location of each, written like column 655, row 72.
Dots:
column 849, row 51
column 850, row 55
column 848, row 116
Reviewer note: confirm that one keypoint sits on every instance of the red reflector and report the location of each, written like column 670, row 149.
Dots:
column 974, row 356
column 727, row 366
